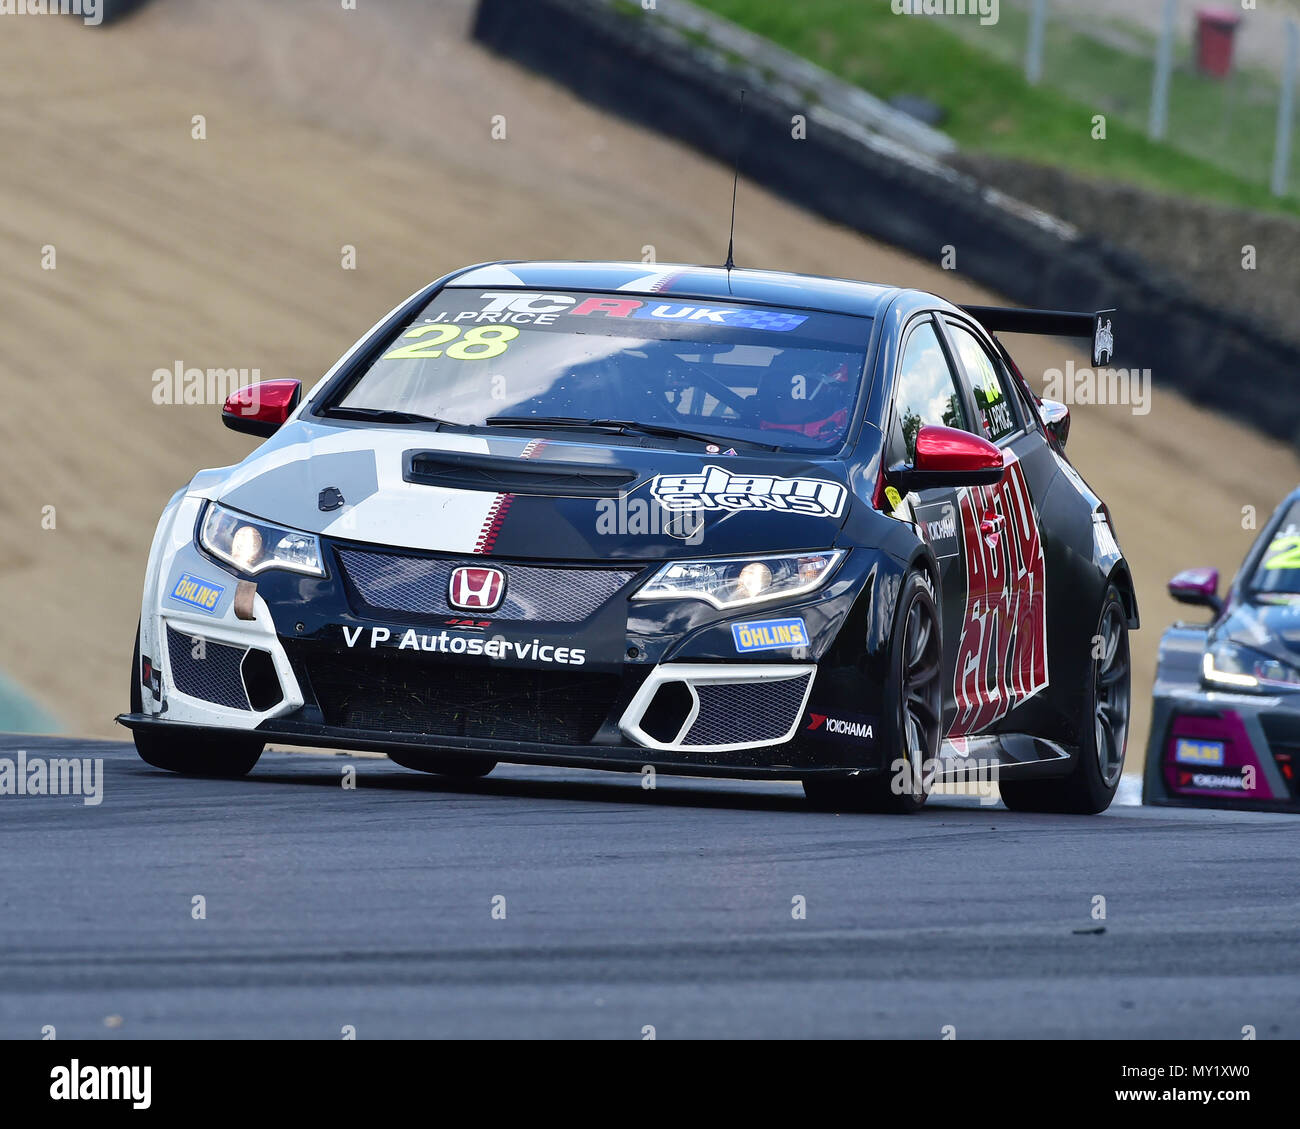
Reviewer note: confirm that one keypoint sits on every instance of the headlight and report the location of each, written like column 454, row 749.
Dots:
column 748, row 580
column 252, row 546
column 1227, row 664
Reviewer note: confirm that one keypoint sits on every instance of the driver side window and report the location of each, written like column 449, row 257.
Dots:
column 991, row 399
column 925, row 391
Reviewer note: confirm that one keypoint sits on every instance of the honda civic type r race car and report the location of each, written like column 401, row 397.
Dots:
column 1225, row 724
column 718, row 522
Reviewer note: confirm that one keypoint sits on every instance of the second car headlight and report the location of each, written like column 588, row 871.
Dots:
column 1229, row 664
column 745, row 580
column 251, row 545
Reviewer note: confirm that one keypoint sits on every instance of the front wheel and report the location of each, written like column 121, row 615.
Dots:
column 912, row 727
column 1098, row 764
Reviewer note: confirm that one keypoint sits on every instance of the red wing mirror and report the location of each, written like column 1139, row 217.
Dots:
column 948, row 457
column 260, row 409
column 1198, row 586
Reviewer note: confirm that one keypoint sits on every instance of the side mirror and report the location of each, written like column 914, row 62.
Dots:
column 260, row 409
column 948, row 457
column 1199, row 586
column 1056, row 418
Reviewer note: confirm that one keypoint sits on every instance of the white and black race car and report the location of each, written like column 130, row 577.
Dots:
column 722, row 522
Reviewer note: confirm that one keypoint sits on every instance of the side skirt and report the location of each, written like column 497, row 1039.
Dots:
column 1019, row 755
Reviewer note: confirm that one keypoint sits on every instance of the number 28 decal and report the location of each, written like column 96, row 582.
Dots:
column 479, row 344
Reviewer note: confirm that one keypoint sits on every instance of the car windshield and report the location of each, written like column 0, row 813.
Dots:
column 1278, row 570
column 731, row 373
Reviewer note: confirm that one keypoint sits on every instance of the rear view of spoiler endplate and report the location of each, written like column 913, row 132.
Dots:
column 1098, row 327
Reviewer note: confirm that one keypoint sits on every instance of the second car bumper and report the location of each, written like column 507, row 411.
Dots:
column 1216, row 749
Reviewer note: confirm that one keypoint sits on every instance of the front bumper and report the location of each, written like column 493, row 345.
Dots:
column 615, row 683
column 1219, row 750
column 289, row 732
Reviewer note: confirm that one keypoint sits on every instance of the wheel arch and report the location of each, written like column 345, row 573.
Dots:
column 923, row 559
column 1122, row 578
column 867, row 631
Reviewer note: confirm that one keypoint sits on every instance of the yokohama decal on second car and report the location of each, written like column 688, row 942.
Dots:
column 1002, row 652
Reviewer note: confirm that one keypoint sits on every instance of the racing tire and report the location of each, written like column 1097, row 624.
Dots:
column 912, row 727
column 203, row 754
column 1099, row 762
column 444, row 764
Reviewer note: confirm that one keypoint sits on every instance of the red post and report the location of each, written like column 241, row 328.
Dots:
column 1215, row 29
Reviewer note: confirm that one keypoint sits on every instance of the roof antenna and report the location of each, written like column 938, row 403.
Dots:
column 735, row 181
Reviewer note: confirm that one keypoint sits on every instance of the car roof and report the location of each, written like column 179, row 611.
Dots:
column 777, row 288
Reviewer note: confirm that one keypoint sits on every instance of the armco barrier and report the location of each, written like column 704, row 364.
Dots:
column 626, row 60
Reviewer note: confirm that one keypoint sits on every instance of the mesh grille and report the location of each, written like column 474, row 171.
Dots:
column 213, row 675
column 400, row 694
column 732, row 713
column 396, row 583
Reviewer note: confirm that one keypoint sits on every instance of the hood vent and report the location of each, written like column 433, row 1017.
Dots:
column 460, row 470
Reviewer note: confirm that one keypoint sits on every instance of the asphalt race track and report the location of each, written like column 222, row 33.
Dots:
column 372, row 907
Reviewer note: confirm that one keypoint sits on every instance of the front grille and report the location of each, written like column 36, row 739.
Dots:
column 734, row 713
column 395, row 582
column 207, row 670
column 399, row 693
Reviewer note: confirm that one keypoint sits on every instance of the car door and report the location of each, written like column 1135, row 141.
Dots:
column 1002, row 659
column 928, row 391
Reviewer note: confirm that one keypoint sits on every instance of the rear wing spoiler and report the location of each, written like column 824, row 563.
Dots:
column 1096, row 327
